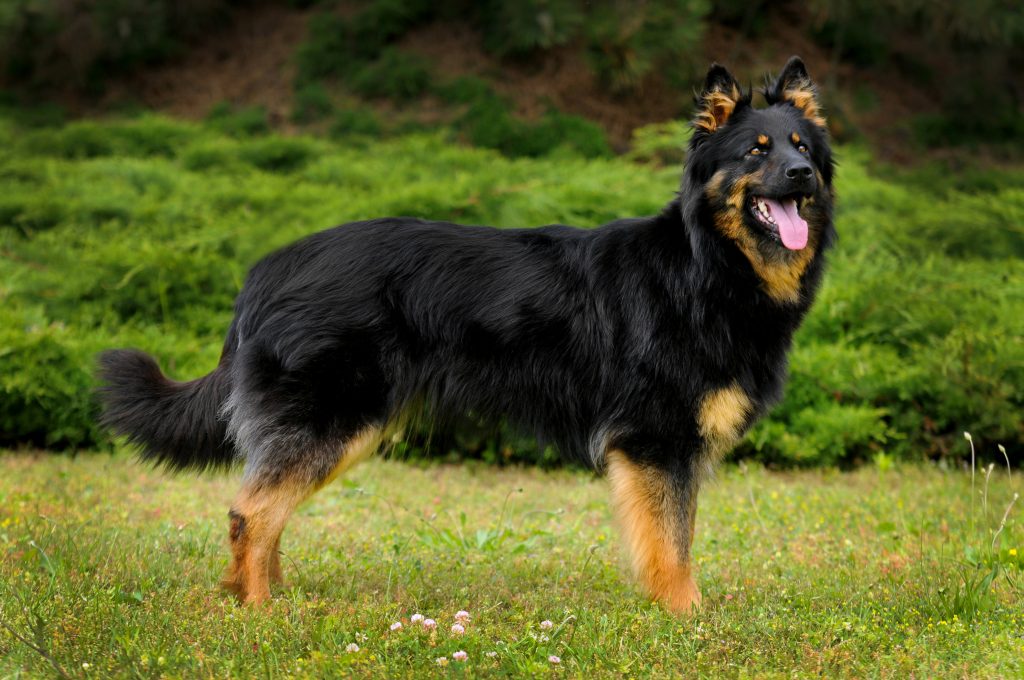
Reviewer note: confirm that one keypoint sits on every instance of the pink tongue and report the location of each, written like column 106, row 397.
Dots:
column 792, row 227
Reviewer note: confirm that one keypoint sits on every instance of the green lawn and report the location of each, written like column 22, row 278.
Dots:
column 110, row 568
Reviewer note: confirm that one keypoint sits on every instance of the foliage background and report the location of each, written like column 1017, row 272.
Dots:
column 124, row 227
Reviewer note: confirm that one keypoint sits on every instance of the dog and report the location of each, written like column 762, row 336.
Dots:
column 643, row 348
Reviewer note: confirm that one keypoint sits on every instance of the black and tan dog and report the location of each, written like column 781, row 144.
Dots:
column 645, row 347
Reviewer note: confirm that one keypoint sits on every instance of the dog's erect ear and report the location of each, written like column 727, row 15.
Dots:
column 718, row 100
column 794, row 86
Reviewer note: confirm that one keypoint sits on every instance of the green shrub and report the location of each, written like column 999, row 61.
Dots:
column 211, row 155
column 45, row 383
column 395, row 74
column 47, row 44
column 952, row 127
column 488, row 123
column 312, row 103
column 523, row 26
column 380, row 22
column 239, row 122
column 574, row 134
column 360, row 122
column 277, row 154
column 144, row 136
column 79, row 140
column 828, row 434
column 325, row 53
column 660, row 143
column 626, row 42
column 465, row 90
column 339, row 48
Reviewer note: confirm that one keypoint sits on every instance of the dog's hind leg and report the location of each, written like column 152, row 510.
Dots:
column 262, row 508
column 657, row 510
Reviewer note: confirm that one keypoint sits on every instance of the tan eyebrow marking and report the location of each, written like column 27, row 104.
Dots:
column 762, row 139
column 795, row 137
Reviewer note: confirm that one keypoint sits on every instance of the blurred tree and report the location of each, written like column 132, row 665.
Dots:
column 54, row 42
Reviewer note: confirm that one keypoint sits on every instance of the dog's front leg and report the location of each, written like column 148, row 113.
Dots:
column 656, row 510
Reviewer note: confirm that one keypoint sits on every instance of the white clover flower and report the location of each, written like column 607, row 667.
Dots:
column 352, row 648
column 429, row 624
column 441, row 661
column 554, row 659
column 462, row 616
column 546, row 625
column 416, row 618
column 460, row 656
column 397, row 625
column 458, row 628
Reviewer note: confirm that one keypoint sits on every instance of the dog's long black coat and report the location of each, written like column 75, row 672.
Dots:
column 577, row 335
column 587, row 337
column 597, row 339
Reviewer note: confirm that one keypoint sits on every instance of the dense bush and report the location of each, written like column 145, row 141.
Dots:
column 489, row 123
column 358, row 122
column 110, row 238
column 526, row 26
column 312, row 103
column 626, row 41
column 338, row 48
column 394, row 74
column 57, row 43
column 239, row 121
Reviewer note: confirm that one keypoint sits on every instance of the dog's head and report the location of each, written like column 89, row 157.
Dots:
column 762, row 177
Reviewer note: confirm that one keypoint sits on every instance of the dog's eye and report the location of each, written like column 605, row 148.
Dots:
column 802, row 148
column 758, row 150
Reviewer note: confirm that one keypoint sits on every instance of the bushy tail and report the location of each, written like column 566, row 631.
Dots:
column 175, row 423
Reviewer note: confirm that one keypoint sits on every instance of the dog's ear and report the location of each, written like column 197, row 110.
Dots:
column 793, row 85
column 719, row 100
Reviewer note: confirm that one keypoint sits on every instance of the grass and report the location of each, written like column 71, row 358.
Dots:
column 108, row 568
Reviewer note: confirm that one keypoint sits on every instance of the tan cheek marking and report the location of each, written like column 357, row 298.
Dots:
column 652, row 527
column 795, row 137
column 738, row 194
column 780, row 276
column 713, row 189
column 762, row 139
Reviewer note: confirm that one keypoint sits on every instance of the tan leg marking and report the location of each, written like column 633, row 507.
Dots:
column 258, row 517
column 721, row 416
column 358, row 449
column 265, row 511
column 658, row 531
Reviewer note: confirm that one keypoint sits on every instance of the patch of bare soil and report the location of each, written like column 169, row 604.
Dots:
column 249, row 62
column 561, row 78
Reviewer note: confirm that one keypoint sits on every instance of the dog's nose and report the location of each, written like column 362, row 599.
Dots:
column 801, row 171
